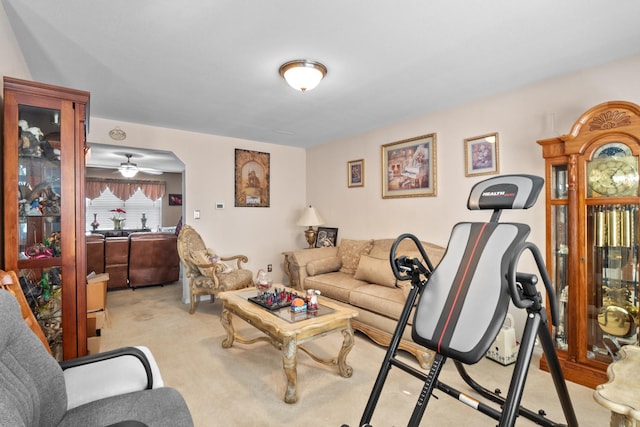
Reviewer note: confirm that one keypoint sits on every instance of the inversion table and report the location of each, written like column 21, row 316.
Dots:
column 463, row 303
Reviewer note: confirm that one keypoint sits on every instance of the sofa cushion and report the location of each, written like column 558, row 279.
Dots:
column 383, row 300
column 375, row 270
column 335, row 285
column 324, row 265
column 350, row 251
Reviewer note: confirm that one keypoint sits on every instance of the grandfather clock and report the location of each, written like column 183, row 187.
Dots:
column 592, row 216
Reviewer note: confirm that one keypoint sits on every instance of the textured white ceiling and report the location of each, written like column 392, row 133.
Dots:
column 211, row 66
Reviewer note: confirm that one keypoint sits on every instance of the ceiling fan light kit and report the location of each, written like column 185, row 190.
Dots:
column 128, row 169
column 303, row 74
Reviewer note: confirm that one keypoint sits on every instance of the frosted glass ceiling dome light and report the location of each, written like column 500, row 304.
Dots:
column 303, row 74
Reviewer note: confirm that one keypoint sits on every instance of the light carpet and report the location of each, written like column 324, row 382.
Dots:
column 245, row 385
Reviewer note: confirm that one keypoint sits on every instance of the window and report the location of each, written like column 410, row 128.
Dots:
column 134, row 207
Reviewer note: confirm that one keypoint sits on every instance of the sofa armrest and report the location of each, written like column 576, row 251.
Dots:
column 110, row 373
column 300, row 258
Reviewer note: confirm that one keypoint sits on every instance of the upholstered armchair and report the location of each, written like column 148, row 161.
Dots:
column 207, row 272
column 122, row 387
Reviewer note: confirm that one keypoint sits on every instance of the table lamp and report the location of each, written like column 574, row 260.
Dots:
column 310, row 217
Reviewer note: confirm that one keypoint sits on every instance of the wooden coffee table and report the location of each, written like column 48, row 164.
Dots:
column 288, row 331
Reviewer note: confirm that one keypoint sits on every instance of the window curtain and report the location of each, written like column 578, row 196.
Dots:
column 123, row 190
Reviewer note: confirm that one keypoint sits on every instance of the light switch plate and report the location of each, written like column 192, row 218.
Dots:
column 196, row 214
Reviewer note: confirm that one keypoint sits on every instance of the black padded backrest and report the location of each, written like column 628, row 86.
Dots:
column 465, row 301
column 506, row 192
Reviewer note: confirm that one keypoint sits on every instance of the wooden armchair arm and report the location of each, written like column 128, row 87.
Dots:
column 240, row 259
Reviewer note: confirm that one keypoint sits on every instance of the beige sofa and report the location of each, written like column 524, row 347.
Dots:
column 358, row 273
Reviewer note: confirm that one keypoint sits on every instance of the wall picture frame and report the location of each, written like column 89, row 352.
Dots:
column 252, row 179
column 175, row 199
column 355, row 173
column 326, row 237
column 481, row 155
column 409, row 167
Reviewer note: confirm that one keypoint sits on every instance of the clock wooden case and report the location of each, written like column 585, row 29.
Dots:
column 592, row 216
column 44, row 226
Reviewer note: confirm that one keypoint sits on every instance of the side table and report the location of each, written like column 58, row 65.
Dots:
column 621, row 394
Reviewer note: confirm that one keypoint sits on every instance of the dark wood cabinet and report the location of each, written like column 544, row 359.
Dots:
column 44, row 237
column 592, row 216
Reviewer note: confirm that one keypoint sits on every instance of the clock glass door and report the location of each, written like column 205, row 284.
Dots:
column 612, row 291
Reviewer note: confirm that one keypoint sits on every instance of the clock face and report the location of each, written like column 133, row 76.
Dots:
column 612, row 176
column 612, row 149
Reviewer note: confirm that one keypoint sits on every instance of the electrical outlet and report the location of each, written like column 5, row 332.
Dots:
column 269, row 268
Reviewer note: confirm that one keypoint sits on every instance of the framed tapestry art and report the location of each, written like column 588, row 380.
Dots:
column 481, row 155
column 326, row 237
column 252, row 178
column 409, row 167
column 355, row 173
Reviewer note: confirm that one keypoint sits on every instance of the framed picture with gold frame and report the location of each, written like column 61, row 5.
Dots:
column 355, row 173
column 481, row 155
column 409, row 167
column 252, row 179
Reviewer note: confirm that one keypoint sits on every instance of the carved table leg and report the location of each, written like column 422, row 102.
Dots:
column 225, row 319
column 289, row 363
column 347, row 344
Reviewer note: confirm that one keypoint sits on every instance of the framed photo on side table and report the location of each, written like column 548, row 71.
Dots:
column 409, row 167
column 326, row 237
column 481, row 155
column 355, row 173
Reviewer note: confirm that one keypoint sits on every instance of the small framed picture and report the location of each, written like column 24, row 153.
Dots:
column 326, row 237
column 355, row 173
column 481, row 155
column 175, row 199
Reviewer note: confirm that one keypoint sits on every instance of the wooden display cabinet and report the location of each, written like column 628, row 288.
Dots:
column 592, row 216
column 44, row 226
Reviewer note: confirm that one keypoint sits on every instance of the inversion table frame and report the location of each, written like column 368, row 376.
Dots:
column 481, row 260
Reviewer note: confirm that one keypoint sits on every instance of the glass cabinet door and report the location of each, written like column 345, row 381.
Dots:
column 612, row 292
column 559, row 268
column 560, row 249
column 39, row 218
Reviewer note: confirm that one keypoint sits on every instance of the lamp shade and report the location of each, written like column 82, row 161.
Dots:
column 302, row 74
column 310, row 217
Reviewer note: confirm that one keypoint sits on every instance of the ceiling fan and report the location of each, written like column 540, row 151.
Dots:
column 129, row 170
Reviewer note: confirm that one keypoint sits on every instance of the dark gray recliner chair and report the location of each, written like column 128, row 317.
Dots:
column 35, row 390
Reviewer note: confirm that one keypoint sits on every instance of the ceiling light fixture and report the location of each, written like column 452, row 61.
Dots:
column 303, row 74
column 128, row 169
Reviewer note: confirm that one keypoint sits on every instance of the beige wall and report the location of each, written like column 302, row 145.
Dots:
column 12, row 63
column 520, row 117
column 260, row 233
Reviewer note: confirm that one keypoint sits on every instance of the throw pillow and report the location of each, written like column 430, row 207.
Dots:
column 324, row 265
column 203, row 257
column 208, row 256
column 350, row 251
column 375, row 270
